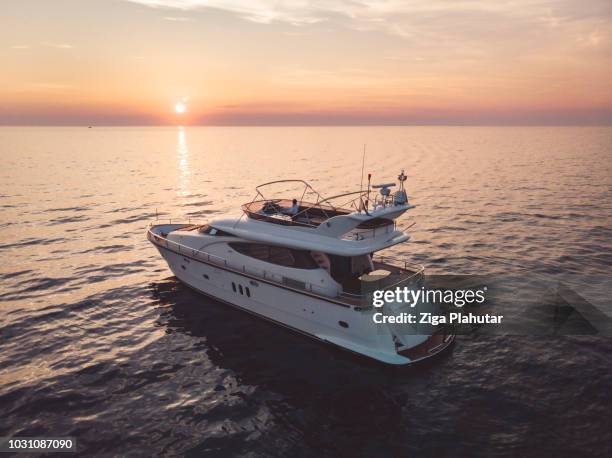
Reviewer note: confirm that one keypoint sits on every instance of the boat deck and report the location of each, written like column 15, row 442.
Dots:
column 309, row 215
column 276, row 211
column 385, row 276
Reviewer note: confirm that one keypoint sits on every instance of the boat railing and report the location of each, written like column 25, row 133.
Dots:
column 357, row 200
column 363, row 234
column 414, row 273
column 410, row 274
column 359, row 301
column 214, row 259
column 399, row 263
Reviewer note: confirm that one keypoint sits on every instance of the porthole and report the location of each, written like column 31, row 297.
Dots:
column 205, row 276
column 183, row 267
column 241, row 290
column 344, row 324
column 248, row 292
column 234, row 286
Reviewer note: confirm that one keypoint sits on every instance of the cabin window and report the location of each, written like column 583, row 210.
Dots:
column 282, row 256
column 241, row 290
column 248, row 291
column 206, row 229
column 254, row 250
column 234, row 286
column 303, row 260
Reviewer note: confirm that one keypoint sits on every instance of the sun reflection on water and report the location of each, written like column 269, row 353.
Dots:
column 182, row 154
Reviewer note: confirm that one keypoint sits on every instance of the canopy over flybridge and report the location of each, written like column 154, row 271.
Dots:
column 357, row 200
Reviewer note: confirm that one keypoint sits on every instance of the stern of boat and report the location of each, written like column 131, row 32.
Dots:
column 431, row 346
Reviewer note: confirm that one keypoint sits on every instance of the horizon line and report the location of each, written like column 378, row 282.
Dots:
column 544, row 124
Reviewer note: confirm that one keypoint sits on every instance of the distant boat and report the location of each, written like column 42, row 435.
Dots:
column 308, row 266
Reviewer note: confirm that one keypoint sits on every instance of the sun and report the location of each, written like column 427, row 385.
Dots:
column 180, row 107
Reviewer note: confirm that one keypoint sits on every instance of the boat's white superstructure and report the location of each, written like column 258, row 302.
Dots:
column 309, row 266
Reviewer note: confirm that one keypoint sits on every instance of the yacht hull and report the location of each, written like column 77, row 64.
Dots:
column 315, row 316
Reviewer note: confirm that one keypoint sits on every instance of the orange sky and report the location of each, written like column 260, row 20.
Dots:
column 306, row 62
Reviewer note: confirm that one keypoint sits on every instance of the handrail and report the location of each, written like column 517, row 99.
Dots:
column 246, row 209
column 416, row 273
column 394, row 261
column 337, row 196
column 416, row 269
column 320, row 198
column 263, row 273
column 307, row 186
column 284, row 181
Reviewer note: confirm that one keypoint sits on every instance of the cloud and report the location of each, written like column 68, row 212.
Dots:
column 395, row 16
column 45, row 44
column 261, row 11
column 57, row 45
column 176, row 19
column 593, row 39
column 552, row 21
column 50, row 86
column 454, row 30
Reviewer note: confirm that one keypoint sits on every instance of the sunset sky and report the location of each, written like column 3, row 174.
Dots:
column 305, row 62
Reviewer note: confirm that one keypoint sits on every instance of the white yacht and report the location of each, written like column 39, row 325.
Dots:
column 309, row 265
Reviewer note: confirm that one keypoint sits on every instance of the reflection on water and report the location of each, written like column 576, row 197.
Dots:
column 99, row 341
column 182, row 153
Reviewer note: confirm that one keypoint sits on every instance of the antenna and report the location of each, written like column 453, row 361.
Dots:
column 368, row 198
column 362, row 168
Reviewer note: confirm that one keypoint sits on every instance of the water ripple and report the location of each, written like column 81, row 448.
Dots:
column 100, row 342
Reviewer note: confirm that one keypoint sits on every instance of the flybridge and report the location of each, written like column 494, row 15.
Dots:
column 352, row 243
column 358, row 214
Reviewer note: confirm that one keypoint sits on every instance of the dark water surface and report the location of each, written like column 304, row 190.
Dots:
column 100, row 342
